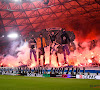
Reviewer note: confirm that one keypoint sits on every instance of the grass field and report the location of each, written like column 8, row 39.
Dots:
column 37, row 83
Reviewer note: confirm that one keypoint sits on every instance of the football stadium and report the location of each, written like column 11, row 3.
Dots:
column 49, row 44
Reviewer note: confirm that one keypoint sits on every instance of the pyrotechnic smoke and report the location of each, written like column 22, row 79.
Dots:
column 21, row 50
column 84, row 28
column 86, row 52
column 83, row 54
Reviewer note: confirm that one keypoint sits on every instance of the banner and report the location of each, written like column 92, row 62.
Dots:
column 97, row 77
column 8, row 73
column 87, row 76
column 46, row 75
column 68, row 76
column 34, row 75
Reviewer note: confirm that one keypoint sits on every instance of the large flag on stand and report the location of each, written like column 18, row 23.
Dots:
column 56, row 30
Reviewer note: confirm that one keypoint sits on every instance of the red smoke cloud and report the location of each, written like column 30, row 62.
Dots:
column 85, row 29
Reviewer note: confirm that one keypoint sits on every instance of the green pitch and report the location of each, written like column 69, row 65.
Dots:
column 37, row 83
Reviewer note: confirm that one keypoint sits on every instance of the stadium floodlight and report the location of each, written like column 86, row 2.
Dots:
column 12, row 35
column 90, row 61
column 3, row 36
column 17, row 0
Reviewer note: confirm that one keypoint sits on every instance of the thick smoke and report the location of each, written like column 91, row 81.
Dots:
column 82, row 56
column 87, row 51
column 85, row 54
column 85, row 29
column 18, row 54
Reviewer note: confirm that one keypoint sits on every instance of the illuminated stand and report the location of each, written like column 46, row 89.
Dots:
column 69, row 72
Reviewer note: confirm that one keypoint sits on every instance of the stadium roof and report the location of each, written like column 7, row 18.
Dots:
column 32, row 15
column 24, row 16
